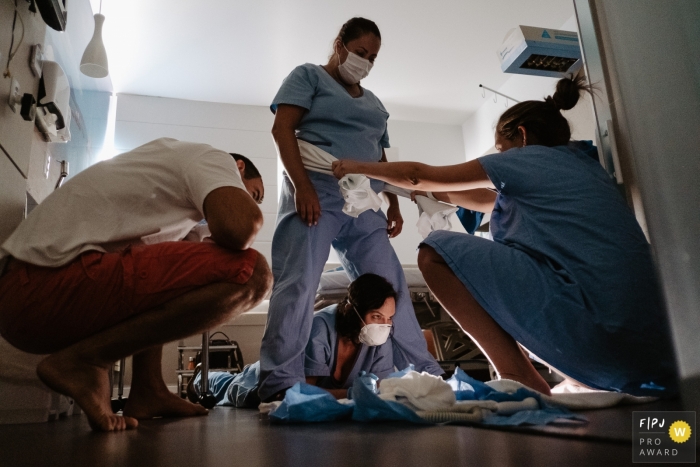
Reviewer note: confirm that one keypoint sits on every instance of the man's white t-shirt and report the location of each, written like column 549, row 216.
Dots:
column 152, row 194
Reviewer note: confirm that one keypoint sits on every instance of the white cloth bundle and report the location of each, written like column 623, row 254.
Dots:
column 423, row 390
column 355, row 188
column 428, row 396
column 358, row 195
column 434, row 215
column 315, row 158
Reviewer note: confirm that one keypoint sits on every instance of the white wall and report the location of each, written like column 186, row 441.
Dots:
column 478, row 130
column 242, row 129
column 432, row 144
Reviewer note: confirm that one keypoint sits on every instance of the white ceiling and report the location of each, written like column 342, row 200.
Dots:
column 434, row 54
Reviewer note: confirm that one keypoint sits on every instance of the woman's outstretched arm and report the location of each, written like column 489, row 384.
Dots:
column 417, row 176
column 479, row 199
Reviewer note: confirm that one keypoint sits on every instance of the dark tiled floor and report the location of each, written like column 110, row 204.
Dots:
column 241, row 437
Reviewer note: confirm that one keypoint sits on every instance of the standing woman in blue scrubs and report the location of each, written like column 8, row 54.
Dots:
column 569, row 273
column 327, row 107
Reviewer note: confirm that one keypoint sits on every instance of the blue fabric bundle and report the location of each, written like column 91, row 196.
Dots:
column 306, row 403
column 369, row 408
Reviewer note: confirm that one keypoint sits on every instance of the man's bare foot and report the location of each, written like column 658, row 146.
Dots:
column 144, row 405
column 535, row 382
column 88, row 385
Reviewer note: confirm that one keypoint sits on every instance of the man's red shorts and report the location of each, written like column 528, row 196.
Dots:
column 45, row 309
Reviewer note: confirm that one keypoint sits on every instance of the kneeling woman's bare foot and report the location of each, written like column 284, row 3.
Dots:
column 88, row 385
column 147, row 404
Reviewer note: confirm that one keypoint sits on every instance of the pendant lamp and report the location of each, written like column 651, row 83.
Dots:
column 94, row 61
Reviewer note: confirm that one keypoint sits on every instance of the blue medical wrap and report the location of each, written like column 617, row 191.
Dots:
column 470, row 220
column 304, row 403
column 569, row 274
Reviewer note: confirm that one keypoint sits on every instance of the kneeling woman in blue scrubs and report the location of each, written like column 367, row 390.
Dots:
column 569, row 273
column 346, row 339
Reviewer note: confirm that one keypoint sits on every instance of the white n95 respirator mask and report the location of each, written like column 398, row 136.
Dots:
column 373, row 334
column 354, row 68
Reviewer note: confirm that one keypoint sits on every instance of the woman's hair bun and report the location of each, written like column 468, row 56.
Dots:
column 568, row 92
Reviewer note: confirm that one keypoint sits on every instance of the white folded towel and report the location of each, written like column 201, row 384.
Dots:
column 433, row 215
column 423, row 390
column 355, row 188
column 358, row 195
column 315, row 158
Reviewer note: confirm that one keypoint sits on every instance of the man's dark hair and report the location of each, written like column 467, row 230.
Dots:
column 250, row 170
column 367, row 292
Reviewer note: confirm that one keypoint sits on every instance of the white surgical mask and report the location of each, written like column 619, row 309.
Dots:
column 354, row 68
column 373, row 334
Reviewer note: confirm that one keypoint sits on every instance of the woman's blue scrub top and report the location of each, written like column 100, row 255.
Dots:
column 346, row 127
column 322, row 352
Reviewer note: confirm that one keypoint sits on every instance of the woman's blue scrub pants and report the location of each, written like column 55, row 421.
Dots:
column 299, row 253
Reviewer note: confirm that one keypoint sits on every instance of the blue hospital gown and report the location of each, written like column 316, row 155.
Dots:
column 569, row 272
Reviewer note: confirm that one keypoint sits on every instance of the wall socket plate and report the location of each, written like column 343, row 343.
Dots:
column 47, row 164
column 36, row 60
column 15, row 98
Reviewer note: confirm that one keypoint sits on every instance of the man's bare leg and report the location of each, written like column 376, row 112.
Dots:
column 149, row 396
column 81, row 370
column 500, row 348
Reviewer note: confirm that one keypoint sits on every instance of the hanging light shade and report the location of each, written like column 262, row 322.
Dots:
column 94, row 61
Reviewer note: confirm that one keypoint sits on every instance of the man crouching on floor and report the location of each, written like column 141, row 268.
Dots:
column 97, row 272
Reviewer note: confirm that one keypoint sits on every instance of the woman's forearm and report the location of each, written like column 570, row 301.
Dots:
column 391, row 198
column 481, row 199
column 418, row 176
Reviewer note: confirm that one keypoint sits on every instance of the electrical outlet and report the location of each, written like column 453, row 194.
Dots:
column 47, row 164
column 36, row 60
column 15, row 98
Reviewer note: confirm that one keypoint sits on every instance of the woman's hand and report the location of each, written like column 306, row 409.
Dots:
column 418, row 193
column 394, row 220
column 343, row 167
column 307, row 204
